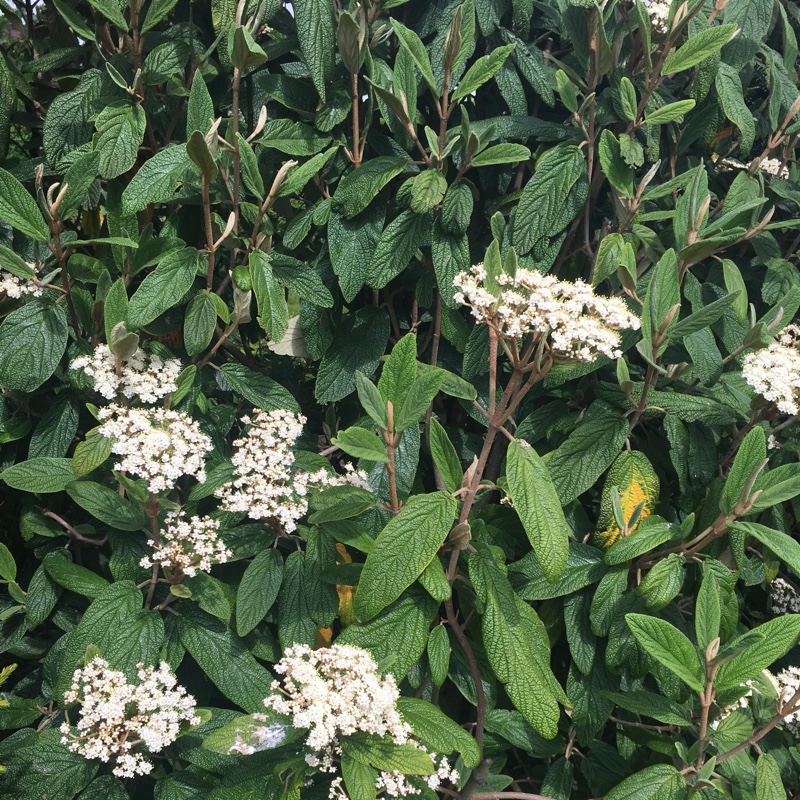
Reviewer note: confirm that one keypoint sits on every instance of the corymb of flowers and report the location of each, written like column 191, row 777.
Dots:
column 578, row 324
column 336, row 692
column 118, row 719
column 774, row 371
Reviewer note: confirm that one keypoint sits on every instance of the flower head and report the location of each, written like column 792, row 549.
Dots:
column 335, row 692
column 774, row 371
column 580, row 324
column 142, row 375
column 188, row 545
column 266, row 484
column 785, row 598
column 116, row 717
column 14, row 287
column 156, row 444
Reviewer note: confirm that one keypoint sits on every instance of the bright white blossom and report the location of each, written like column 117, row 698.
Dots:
column 773, row 166
column 785, row 598
column 580, row 324
column 788, row 684
column 158, row 445
column 266, row 485
column 188, row 545
column 142, row 375
column 658, row 11
column 335, row 692
column 116, row 716
column 15, row 287
column 774, row 371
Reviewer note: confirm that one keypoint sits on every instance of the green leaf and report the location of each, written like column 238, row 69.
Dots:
column 163, row 288
column 407, row 620
column 107, row 505
column 420, row 395
column 32, row 341
column 482, row 70
column 246, row 53
column 90, row 453
column 648, row 704
column 156, row 11
column 662, row 583
column 537, row 503
column 769, row 784
column 750, row 457
column 197, row 150
column 198, row 326
column 273, row 313
column 371, row 401
column 120, row 628
column 619, row 174
column 224, row 659
column 210, row 594
column 293, row 138
column 41, row 475
column 663, row 294
column 588, row 451
column 652, row 532
column 74, row 577
column 402, row 551
column 164, row 62
column 627, row 99
column 702, row 318
column 413, row 44
column 262, row 731
column 358, row 344
column 698, row 48
column 436, row 730
column 298, row 177
column 341, row 502
column 158, row 178
column 517, row 646
column 120, row 133
column 707, row 613
column 360, row 187
column 261, row 391
column 445, row 457
column 584, row 567
column 383, row 753
column 427, row 191
column 669, row 112
column 667, row 645
column 399, row 371
column 501, row 154
column 8, row 567
column 659, row 782
column 438, row 651
column 361, row 443
column 784, row 546
column 111, row 10
column 75, row 20
column 352, row 245
column 359, row 779
column 543, row 198
column 777, row 485
column 200, row 109
column 317, row 34
column 728, row 84
column 295, row 624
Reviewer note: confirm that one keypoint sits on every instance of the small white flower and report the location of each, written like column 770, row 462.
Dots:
column 15, row 287
column 580, row 324
column 146, row 377
column 188, row 545
column 774, row 371
column 785, row 598
column 117, row 716
column 266, row 484
column 155, row 444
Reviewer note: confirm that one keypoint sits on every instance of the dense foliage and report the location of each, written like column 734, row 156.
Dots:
column 425, row 369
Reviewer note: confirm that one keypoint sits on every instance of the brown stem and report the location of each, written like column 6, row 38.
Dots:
column 209, row 233
column 355, row 155
column 280, row 177
column 72, row 532
column 61, row 256
column 391, row 439
column 671, row 729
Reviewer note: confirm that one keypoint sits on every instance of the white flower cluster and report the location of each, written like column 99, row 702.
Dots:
column 117, row 716
column 266, row 485
column 785, row 598
column 335, row 692
column 774, row 371
column 158, row 445
column 188, row 545
column 773, row 166
column 15, row 287
column 788, row 681
column 147, row 377
column 658, row 11
column 581, row 324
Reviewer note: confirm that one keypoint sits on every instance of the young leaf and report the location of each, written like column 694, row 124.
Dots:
column 445, row 457
column 258, row 590
column 402, row 551
column 371, row 401
column 539, row 508
column 698, row 48
column 360, row 443
column 659, row 782
column 412, row 43
column 667, row 645
column 19, row 209
column 198, row 327
column 669, row 112
column 481, row 71
column 750, row 457
column 316, row 31
column 163, row 288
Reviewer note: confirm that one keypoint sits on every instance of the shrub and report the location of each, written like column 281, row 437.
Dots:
column 399, row 398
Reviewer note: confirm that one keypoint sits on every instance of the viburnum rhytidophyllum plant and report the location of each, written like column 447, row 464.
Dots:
column 399, row 399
